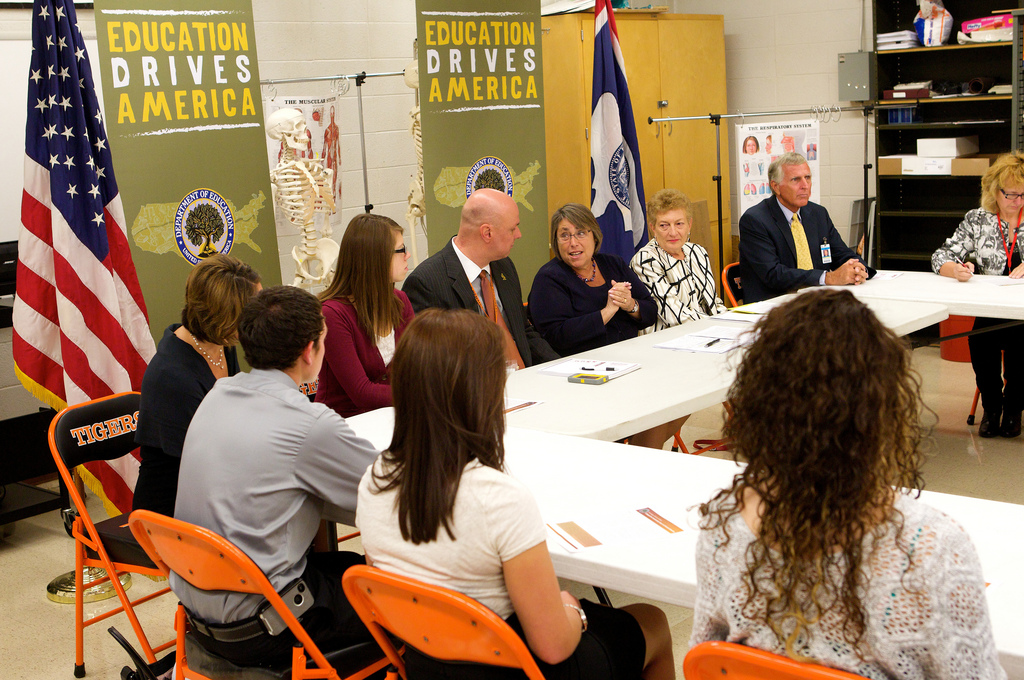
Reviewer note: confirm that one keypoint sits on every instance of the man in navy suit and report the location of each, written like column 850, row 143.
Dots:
column 787, row 242
column 474, row 266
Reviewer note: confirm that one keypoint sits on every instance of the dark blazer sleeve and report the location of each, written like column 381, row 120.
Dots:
column 533, row 348
column 552, row 310
column 765, row 255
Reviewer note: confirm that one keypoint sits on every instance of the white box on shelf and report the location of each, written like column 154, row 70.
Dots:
column 919, row 165
column 947, row 147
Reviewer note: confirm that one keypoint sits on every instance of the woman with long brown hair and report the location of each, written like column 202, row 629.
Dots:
column 818, row 550
column 365, row 316
column 438, row 506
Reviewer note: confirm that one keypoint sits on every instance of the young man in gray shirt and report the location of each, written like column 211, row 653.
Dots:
column 258, row 464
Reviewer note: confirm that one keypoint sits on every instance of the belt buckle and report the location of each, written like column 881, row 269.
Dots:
column 199, row 626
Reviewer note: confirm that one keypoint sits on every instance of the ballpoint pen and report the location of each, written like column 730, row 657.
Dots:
column 712, row 342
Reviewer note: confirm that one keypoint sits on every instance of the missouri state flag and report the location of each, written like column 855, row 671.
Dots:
column 617, row 191
column 80, row 328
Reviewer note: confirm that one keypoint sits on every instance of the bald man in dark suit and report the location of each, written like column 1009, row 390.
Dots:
column 451, row 278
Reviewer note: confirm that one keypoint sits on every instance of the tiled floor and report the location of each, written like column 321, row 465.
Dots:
column 36, row 636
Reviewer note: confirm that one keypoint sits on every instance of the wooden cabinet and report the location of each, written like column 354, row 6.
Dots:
column 673, row 58
column 916, row 213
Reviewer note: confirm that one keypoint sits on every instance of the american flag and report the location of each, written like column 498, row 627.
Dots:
column 80, row 325
column 617, row 192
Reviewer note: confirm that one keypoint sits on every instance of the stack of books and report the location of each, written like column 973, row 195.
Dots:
column 897, row 40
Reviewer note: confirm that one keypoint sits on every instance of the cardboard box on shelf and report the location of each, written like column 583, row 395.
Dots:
column 973, row 165
column 891, row 165
column 947, row 147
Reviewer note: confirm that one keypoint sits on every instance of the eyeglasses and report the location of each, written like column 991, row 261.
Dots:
column 400, row 251
column 566, row 236
column 1011, row 197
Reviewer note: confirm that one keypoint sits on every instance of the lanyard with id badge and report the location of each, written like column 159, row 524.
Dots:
column 826, row 252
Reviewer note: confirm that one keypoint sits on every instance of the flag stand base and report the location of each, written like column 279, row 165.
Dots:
column 62, row 588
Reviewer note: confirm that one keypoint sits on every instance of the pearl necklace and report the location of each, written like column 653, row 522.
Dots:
column 593, row 272
column 216, row 364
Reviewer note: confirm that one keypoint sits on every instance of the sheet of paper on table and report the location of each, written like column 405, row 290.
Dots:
column 742, row 317
column 1001, row 281
column 713, row 340
column 886, row 276
column 611, row 369
column 613, row 528
column 762, row 307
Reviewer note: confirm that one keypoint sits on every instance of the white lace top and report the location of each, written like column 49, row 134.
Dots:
column 928, row 621
column 386, row 347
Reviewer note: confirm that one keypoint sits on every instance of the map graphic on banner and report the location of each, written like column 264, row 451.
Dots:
column 481, row 101
column 323, row 133
column 760, row 144
column 185, row 121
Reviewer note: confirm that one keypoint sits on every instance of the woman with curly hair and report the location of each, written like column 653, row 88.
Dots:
column 817, row 550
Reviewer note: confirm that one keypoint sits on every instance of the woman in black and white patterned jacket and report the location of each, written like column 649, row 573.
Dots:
column 986, row 243
column 677, row 272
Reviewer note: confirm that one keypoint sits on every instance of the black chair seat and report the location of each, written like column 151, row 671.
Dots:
column 346, row 661
column 120, row 543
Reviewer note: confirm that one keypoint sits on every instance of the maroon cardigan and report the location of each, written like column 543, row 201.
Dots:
column 354, row 379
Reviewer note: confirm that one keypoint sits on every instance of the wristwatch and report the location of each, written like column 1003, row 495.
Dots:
column 636, row 306
column 583, row 615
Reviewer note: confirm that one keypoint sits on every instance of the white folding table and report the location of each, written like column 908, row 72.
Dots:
column 573, row 478
column 978, row 296
column 669, row 384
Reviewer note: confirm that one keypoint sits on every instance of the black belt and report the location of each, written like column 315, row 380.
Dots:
column 239, row 631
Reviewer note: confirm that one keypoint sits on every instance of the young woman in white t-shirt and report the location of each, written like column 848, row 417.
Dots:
column 437, row 506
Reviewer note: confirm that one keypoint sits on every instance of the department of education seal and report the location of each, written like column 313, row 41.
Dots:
column 489, row 173
column 618, row 175
column 203, row 225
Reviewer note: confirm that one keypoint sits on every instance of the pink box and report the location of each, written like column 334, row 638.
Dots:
column 986, row 23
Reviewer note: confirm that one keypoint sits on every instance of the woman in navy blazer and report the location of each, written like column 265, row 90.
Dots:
column 365, row 316
column 582, row 299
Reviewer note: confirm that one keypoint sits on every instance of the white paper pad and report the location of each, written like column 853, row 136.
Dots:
column 1001, row 281
column 700, row 343
column 612, row 369
column 886, row 276
column 742, row 317
column 617, row 528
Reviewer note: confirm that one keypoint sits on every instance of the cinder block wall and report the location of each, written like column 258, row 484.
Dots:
column 783, row 54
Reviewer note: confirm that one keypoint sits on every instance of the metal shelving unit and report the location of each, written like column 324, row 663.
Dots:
column 917, row 212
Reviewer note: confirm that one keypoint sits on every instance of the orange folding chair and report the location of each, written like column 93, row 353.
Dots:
column 210, row 562
column 731, row 284
column 728, row 660
column 101, row 429
column 439, row 622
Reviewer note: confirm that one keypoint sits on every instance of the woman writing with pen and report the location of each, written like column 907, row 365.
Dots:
column 986, row 242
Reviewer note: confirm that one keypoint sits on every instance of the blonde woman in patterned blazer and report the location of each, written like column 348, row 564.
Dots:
column 986, row 242
column 677, row 272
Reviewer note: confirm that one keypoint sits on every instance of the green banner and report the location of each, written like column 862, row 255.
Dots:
column 183, row 112
column 482, row 108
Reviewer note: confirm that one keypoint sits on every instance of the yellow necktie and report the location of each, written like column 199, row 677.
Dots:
column 803, row 252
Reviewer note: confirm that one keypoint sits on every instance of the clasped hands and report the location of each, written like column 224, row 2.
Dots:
column 621, row 295
column 851, row 272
